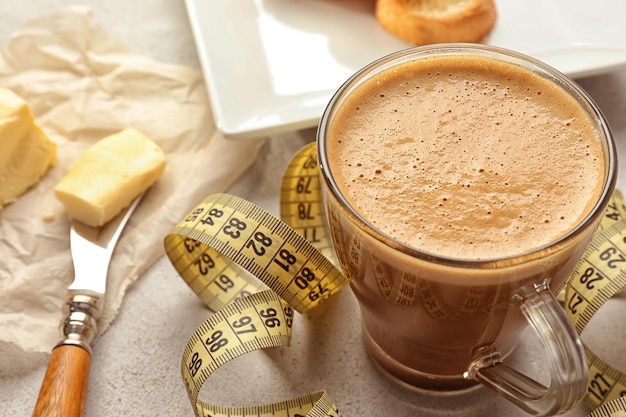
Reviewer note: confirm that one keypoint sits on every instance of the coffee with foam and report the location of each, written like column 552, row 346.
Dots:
column 460, row 181
column 466, row 157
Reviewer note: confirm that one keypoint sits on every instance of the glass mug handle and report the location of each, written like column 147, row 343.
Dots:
column 565, row 354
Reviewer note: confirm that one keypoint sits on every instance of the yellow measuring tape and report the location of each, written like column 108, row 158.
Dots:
column 598, row 275
column 254, row 270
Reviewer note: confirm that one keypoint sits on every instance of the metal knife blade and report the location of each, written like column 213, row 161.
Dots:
column 64, row 387
column 92, row 249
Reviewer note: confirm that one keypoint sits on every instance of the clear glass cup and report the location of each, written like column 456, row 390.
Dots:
column 428, row 329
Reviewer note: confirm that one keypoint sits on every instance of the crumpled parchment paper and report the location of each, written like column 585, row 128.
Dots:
column 83, row 85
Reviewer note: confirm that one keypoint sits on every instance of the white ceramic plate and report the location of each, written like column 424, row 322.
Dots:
column 272, row 65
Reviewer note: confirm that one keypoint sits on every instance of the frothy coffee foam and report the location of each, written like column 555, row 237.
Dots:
column 466, row 157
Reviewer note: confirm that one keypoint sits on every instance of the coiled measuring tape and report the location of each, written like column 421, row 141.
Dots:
column 253, row 270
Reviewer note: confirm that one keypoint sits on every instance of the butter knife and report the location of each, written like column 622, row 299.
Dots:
column 64, row 387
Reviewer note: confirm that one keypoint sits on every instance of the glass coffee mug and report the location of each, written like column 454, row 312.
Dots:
column 442, row 322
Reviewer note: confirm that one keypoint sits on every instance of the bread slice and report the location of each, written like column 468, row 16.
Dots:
column 423, row 22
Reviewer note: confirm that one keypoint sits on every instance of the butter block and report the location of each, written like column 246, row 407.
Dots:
column 26, row 152
column 109, row 175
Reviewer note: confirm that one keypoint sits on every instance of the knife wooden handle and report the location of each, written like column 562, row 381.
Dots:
column 64, row 387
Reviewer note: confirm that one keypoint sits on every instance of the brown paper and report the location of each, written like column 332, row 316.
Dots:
column 83, row 85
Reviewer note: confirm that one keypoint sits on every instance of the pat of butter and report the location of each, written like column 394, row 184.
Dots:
column 26, row 152
column 108, row 177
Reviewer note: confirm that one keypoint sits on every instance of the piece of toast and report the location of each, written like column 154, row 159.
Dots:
column 423, row 22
